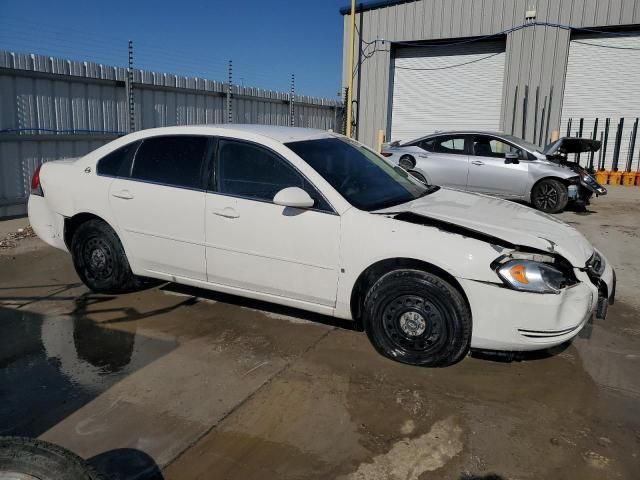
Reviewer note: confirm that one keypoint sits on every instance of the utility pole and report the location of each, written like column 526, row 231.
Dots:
column 350, row 71
column 132, row 117
column 292, row 96
column 229, row 84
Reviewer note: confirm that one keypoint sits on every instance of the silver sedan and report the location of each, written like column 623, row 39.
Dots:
column 501, row 165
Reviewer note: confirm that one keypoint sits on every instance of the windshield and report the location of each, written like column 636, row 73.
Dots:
column 362, row 177
column 532, row 147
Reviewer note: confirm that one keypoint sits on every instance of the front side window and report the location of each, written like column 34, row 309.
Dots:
column 362, row 177
column 117, row 163
column 484, row 146
column 172, row 160
column 250, row 171
column 451, row 145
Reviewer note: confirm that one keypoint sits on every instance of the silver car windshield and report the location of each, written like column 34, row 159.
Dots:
column 523, row 143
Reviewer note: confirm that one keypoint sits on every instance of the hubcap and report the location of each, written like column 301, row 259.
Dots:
column 413, row 323
column 547, row 197
column 98, row 258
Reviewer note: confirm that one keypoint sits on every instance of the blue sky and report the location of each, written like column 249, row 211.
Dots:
column 267, row 40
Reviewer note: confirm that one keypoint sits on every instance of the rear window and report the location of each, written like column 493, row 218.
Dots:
column 115, row 164
column 172, row 160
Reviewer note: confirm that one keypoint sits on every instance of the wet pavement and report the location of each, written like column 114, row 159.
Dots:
column 180, row 383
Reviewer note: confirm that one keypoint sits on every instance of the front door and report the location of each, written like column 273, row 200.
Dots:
column 256, row 245
column 491, row 173
column 159, row 206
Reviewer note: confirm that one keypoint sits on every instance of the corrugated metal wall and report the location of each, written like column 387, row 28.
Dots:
column 536, row 56
column 38, row 92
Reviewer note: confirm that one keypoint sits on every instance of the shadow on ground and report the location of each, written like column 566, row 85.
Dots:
column 126, row 464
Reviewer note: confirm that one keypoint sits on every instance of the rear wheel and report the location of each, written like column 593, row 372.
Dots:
column 99, row 259
column 550, row 196
column 418, row 318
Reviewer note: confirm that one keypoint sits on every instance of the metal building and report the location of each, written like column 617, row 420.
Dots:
column 521, row 66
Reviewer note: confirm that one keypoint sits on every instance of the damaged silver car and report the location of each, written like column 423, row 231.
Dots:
column 501, row 165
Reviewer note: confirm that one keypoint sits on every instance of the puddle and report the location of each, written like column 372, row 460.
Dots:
column 52, row 366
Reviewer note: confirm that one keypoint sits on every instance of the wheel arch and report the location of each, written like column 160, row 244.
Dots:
column 72, row 223
column 566, row 181
column 373, row 272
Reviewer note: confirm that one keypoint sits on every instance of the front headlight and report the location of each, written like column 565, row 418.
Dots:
column 532, row 276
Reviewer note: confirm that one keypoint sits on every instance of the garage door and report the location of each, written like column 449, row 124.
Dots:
column 447, row 88
column 603, row 80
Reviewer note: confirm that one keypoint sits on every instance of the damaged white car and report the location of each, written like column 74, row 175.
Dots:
column 313, row 220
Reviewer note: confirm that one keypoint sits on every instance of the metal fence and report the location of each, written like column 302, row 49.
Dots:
column 618, row 137
column 53, row 108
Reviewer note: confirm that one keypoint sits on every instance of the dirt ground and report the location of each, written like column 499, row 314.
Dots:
column 179, row 383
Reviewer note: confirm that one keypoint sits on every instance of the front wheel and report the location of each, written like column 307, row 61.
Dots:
column 418, row 318
column 550, row 196
column 100, row 260
column 418, row 176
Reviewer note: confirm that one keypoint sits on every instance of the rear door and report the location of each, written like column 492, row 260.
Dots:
column 491, row 173
column 445, row 161
column 158, row 204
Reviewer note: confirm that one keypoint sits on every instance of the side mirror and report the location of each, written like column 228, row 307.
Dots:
column 512, row 158
column 293, row 197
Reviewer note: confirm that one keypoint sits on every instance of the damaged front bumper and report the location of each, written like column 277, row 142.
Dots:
column 506, row 319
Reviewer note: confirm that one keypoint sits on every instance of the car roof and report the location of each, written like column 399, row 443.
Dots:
column 458, row 132
column 274, row 132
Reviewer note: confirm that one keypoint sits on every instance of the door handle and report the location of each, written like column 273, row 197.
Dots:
column 477, row 162
column 124, row 194
column 226, row 212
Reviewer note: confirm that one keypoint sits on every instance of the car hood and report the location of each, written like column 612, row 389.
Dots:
column 566, row 145
column 507, row 221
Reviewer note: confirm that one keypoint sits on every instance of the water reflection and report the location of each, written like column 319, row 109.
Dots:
column 52, row 366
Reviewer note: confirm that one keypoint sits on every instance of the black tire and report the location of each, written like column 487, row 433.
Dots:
column 100, row 261
column 416, row 317
column 42, row 460
column 419, row 176
column 550, row 196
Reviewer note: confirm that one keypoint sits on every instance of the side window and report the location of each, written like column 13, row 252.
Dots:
column 452, row 145
column 427, row 145
column 172, row 160
column 118, row 162
column 492, row 147
column 247, row 170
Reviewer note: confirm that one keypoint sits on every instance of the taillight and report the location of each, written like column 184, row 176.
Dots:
column 36, row 188
column 386, row 154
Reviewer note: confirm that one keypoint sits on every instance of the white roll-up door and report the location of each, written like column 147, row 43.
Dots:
column 447, row 88
column 603, row 81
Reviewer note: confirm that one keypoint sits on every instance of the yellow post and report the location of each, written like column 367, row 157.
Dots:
column 380, row 140
column 350, row 72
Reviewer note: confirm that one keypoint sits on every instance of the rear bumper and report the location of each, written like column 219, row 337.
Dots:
column 48, row 225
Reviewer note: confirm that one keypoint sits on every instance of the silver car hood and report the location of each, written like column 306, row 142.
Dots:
column 508, row 221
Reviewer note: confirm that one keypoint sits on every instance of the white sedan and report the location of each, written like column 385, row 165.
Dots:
column 313, row 220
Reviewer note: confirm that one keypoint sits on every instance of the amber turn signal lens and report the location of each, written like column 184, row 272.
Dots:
column 519, row 273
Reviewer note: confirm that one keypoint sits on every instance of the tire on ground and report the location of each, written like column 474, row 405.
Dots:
column 42, row 460
column 416, row 317
column 550, row 195
column 100, row 260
